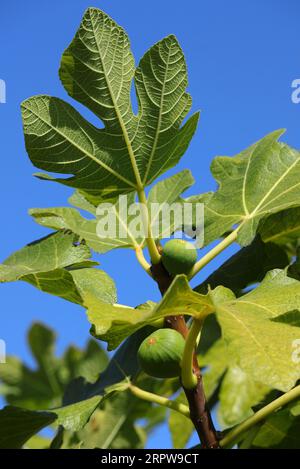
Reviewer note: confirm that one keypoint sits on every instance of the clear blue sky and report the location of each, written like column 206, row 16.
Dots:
column 242, row 57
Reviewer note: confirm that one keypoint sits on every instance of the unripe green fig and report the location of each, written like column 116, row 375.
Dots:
column 178, row 256
column 161, row 352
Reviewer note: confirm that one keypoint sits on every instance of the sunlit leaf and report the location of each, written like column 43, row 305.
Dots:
column 239, row 393
column 113, row 323
column 125, row 217
column 258, row 182
column 132, row 150
column 59, row 265
column 264, row 346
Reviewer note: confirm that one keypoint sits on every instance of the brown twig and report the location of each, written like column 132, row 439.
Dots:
column 200, row 414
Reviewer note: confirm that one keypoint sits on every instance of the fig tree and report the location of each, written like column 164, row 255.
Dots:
column 161, row 352
column 178, row 256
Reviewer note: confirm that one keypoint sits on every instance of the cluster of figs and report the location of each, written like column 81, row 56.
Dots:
column 160, row 354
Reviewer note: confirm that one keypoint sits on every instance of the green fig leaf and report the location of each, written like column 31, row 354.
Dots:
column 132, row 150
column 258, row 182
column 124, row 215
column 59, row 265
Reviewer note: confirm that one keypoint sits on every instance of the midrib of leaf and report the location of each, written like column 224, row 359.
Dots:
column 135, row 244
column 51, row 377
column 37, row 281
column 169, row 197
column 274, row 187
column 249, row 332
column 264, row 207
column 279, row 432
column 119, row 116
column 281, row 233
column 222, row 214
column 114, row 432
column 56, row 255
column 159, row 117
column 282, row 193
column 250, row 216
column 82, row 150
column 167, row 160
column 244, row 185
column 257, row 306
column 116, row 429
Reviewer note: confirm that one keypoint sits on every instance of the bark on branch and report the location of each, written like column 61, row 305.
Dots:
column 200, row 414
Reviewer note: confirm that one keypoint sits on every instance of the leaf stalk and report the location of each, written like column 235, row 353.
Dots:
column 214, row 252
column 152, row 248
column 188, row 377
column 160, row 400
column 142, row 261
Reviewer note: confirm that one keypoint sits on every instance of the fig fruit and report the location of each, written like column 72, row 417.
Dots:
column 178, row 256
column 161, row 352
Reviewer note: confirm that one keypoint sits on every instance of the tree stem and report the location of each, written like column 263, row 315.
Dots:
column 160, row 400
column 214, row 253
column 188, row 377
column 234, row 435
column 199, row 411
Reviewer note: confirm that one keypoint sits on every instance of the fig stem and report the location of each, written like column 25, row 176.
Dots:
column 214, row 253
column 234, row 435
column 188, row 377
column 160, row 400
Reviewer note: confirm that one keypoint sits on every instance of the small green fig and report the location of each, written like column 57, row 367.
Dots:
column 161, row 352
column 178, row 256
